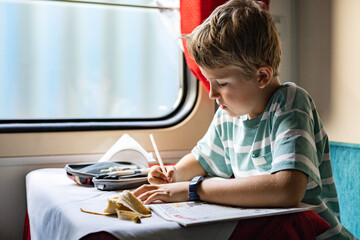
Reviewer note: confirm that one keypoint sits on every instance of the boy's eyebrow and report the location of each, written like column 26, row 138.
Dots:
column 214, row 78
column 218, row 77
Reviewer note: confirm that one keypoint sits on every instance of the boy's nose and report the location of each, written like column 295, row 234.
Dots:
column 213, row 93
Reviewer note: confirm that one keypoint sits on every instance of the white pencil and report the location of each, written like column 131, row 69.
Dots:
column 157, row 154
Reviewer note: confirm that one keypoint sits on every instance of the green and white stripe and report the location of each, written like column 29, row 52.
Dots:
column 288, row 135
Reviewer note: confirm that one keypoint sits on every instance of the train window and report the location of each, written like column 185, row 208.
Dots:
column 71, row 65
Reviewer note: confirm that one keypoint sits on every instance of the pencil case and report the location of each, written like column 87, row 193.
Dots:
column 90, row 174
column 119, row 182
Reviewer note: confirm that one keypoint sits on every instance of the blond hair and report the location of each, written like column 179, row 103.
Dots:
column 239, row 33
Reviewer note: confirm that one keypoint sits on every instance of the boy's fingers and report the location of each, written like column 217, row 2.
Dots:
column 170, row 175
column 159, row 174
column 171, row 172
column 145, row 195
column 150, row 193
column 156, row 176
column 153, row 180
column 140, row 190
column 162, row 196
column 144, row 191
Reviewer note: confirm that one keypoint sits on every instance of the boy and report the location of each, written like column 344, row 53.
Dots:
column 266, row 134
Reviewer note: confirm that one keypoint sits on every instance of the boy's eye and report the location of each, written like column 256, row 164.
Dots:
column 222, row 84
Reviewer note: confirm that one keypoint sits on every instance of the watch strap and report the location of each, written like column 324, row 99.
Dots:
column 193, row 195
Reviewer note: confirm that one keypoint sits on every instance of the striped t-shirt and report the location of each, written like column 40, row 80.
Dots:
column 287, row 135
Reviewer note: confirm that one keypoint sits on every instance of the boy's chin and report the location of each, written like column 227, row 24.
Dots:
column 231, row 114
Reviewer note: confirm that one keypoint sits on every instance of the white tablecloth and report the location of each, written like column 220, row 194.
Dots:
column 54, row 202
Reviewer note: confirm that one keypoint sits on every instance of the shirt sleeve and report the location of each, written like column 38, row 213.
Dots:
column 294, row 145
column 209, row 151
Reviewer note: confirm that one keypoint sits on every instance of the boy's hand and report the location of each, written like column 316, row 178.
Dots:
column 156, row 176
column 173, row 192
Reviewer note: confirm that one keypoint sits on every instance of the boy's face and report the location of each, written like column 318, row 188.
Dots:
column 233, row 93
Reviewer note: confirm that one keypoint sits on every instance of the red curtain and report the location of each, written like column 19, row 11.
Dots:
column 192, row 14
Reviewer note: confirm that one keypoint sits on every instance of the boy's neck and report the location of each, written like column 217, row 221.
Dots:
column 268, row 92
column 272, row 87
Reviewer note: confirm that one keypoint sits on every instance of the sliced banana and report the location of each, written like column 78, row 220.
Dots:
column 126, row 206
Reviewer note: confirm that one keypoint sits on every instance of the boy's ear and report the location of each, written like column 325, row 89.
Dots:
column 264, row 75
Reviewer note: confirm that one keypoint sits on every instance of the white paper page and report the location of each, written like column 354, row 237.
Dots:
column 189, row 213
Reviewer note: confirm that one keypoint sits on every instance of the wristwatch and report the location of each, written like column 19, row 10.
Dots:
column 193, row 195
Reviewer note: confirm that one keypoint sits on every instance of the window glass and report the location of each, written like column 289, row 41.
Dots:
column 61, row 60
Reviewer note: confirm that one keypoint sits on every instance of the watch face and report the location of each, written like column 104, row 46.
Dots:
column 195, row 179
